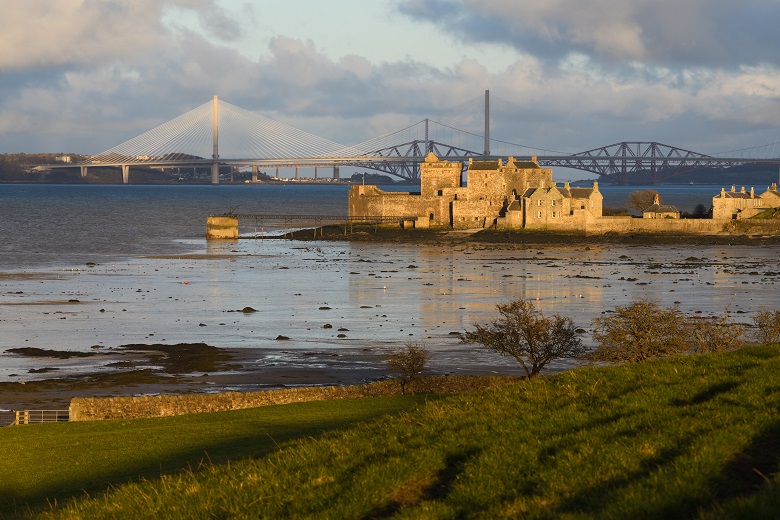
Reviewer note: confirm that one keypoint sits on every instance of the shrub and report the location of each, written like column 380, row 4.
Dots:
column 524, row 333
column 639, row 331
column 409, row 362
column 716, row 334
column 767, row 326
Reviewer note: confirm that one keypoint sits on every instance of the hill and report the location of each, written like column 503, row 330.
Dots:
column 688, row 436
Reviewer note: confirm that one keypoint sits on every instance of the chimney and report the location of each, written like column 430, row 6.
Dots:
column 752, row 193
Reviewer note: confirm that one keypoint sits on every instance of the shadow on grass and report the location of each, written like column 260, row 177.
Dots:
column 436, row 489
column 748, row 472
column 15, row 503
column 709, row 394
column 594, row 499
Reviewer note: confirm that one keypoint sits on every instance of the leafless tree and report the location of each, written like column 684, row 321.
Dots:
column 639, row 331
column 409, row 362
column 525, row 334
column 767, row 326
column 642, row 199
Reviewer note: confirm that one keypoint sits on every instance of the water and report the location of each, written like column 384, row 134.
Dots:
column 156, row 279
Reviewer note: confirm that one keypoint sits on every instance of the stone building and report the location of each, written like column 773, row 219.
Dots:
column 742, row 204
column 515, row 194
column 658, row 210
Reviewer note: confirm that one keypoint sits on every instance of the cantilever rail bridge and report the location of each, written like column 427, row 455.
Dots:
column 221, row 134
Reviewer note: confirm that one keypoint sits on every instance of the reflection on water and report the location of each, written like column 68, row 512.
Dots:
column 361, row 296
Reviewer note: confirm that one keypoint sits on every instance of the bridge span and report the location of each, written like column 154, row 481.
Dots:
column 220, row 134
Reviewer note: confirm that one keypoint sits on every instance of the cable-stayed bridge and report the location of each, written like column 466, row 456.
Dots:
column 219, row 133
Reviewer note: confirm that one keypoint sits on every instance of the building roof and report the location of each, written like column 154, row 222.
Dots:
column 661, row 208
column 527, row 165
column 483, row 165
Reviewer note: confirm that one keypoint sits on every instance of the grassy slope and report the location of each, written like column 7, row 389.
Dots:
column 56, row 461
column 684, row 437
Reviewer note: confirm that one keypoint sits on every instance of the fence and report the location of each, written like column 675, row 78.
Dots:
column 40, row 416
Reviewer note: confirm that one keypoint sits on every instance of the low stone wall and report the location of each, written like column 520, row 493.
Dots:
column 98, row 409
column 652, row 225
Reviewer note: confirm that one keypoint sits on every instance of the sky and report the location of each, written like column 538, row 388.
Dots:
column 83, row 76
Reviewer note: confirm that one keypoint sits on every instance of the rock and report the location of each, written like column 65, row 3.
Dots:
column 327, row 326
column 248, row 310
column 281, row 338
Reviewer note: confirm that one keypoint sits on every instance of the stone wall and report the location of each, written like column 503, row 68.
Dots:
column 99, row 409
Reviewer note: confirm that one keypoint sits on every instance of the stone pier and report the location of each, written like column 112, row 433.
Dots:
column 221, row 228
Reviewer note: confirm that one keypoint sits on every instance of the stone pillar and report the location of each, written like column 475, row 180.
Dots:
column 254, row 173
column 215, row 173
column 277, row 173
column 315, row 173
column 125, row 174
column 222, row 228
column 83, row 171
column 335, row 172
column 296, row 173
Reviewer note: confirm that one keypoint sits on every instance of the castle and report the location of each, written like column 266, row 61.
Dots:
column 515, row 194
column 522, row 195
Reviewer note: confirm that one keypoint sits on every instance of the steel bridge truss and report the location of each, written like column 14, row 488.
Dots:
column 415, row 152
column 638, row 161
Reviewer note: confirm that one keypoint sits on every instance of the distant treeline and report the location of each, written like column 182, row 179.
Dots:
column 748, row 175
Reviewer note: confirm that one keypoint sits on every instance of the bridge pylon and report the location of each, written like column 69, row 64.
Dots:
column 215, row 155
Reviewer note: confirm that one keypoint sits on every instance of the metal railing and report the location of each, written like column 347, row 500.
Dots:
column 40, row 416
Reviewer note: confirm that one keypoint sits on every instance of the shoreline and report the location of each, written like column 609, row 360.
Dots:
column 393, row 235
column 236, row 370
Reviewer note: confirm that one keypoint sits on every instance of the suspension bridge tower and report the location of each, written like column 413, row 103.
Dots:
column 215, row 155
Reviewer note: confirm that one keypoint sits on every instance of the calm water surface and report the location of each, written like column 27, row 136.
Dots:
column 156, row 279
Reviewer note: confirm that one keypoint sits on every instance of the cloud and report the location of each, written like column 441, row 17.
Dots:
column 85, row 89
column 712, row 33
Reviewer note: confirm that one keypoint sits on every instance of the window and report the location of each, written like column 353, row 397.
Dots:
column 552, row 202
column 430, row 217
column 439, row 193
column 539, row 215
column 539, row 202
column 553, row 214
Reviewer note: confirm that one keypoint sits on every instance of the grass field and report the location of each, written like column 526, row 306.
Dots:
column 43, row 463
column 694, row 436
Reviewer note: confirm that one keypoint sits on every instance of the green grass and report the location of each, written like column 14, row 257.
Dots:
column 684, row 437
column 43, row 463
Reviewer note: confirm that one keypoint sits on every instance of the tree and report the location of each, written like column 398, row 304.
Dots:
column 767, row 326
column 409, row 362
column 715, row 334
column 639, row 331
column 641, row 200
column 525, row 334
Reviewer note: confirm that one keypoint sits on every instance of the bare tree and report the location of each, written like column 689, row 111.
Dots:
column 525, row 334
column 767, row 326
column 641, row 200
column 639, row 331
column 409, row 362
column 715, row 334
